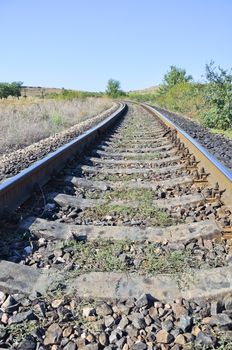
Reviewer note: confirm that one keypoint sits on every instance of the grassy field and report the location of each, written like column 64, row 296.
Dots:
column 25, row 121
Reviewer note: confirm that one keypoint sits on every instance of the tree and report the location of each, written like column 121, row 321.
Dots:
column 173, row 77
column 218, row 97
column 13, row 89
column 113, row 88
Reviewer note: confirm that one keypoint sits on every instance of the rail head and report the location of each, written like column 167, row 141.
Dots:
column 15, row 190
column 218, row 172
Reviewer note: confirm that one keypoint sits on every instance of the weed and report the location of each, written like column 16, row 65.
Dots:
column 56, row 120
column 123, row 255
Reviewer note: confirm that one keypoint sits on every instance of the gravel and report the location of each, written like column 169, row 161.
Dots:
column 217, row 145
column 67, row 322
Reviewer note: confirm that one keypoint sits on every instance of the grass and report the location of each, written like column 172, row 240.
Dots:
column 19, row 331
column 109, row 255
column 145, row 211
column 25, row 122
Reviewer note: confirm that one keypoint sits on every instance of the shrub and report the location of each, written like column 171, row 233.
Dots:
column 218, row 98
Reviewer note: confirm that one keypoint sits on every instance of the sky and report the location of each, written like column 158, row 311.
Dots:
column 80, row 44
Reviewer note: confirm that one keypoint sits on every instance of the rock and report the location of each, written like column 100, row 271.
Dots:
column 58, row 253
column 103, row 339
column 93, row 346
column 104, row 309
column 109, row 321
column 4, row 318
column 175, row 332
column 53, row 334
column 22, row 316
column 148, row 320
column 70, row 346
column 228, row 302
column 229, row 259
column 28, row 250
column 57, row 302
column 9, row 303
column 179, row 310
column 137, row 320
column 216, row 307
column 203, row 339
column 123, row 323
column 185, row 323
column 88, row 311
column 139, row 346
column 132, row 331
column 196, row 330
column 114, row 336
column 41, row 308
column 167, row 325
column 180, row 339
column 2, row 297
column 175, row 347
column 27, row 344
column 120, row 343
column 164, row 337
column 228, row 336
column 221, row 320
column 143, row 300
column 123, row 309
column 90, row 338
column 67, row 331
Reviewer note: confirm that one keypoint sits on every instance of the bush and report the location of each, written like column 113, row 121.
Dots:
column 186, row 98
column 173, row 77
column 218, row 98
column 13, row 89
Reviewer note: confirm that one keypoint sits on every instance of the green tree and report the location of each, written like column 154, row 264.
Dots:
column 173, row 77
column 218, row 97
column 13, row 89
column 113, row 88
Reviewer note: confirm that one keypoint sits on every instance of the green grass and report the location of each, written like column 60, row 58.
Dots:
column 145, row 211
column 105, row 255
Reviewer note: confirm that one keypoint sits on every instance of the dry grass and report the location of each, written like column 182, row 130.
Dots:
column 25, row 122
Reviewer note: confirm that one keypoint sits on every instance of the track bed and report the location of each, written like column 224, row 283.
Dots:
column 122, row 249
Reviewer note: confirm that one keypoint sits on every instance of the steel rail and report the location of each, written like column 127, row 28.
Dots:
column 217, row 171
column 17, row 189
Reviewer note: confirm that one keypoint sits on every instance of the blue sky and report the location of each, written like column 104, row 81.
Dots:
column 80, row 44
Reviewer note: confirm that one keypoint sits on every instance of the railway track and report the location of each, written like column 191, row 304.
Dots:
column 128, row 246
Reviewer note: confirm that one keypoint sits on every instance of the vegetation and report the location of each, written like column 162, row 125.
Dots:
column 113, row 89
column 73, row 94
column 173, row 77
column 25, row 121
column 10, row 89
column 119, row 255
column 218, row 97
column 209, row 102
